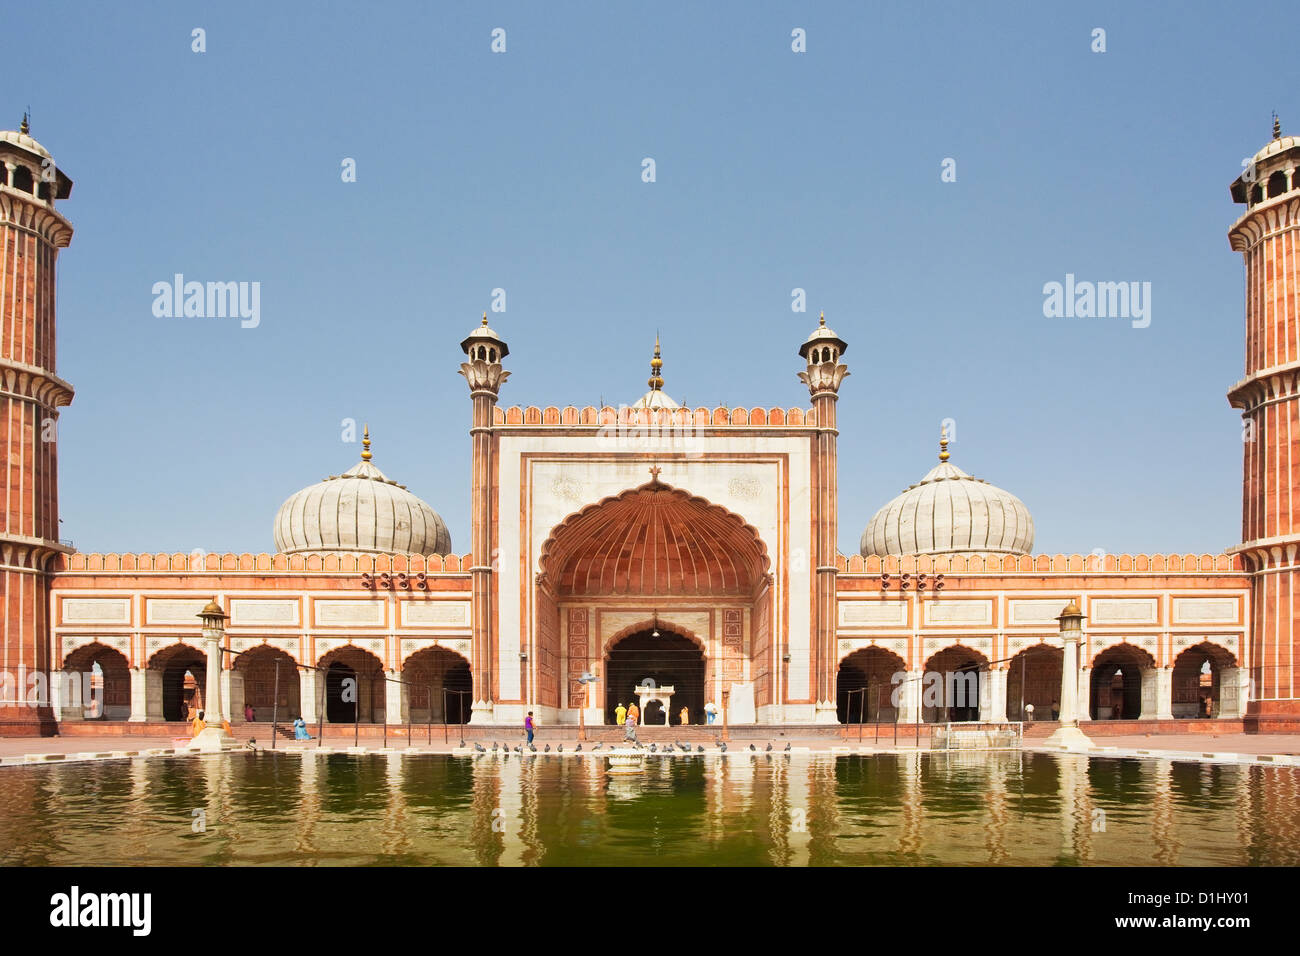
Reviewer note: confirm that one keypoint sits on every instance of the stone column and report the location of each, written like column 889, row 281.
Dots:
column 910, row 698
column 1234, row 688
column 153, row 694
column 1085, row 693
column 139, row 695
column 232, row 687
column 308, row 695
column 995, row 709
column 395, row 699
column 1164, row 693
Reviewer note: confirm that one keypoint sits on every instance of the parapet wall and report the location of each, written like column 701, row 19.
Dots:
column 330, row 563
column 1042, row 563
column 626, row 415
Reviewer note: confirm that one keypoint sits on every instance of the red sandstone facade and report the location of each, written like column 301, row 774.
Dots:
column 730, row 544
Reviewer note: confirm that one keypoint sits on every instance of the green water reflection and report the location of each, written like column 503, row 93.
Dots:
column 915, row 809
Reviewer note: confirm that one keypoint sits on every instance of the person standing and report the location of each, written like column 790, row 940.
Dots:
column 710, row 712
column 629, row 725
column 529, row 727
column 620, row 714
column 686, row 716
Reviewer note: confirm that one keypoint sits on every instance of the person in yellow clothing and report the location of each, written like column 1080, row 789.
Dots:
column 620, row 714
column 197, row 724
column 686, row 716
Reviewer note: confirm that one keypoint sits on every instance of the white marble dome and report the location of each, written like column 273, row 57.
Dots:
column 949, row 512
column 361, row 510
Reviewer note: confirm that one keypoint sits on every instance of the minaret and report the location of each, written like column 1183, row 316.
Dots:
column 1268, row 236
column 31, row 235
column 823, row 376
column 482, row 369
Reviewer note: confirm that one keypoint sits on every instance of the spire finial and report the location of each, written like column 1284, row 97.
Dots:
column 485, row 320
column 25, row 128
column 656, row 381
column 1277, row 126
column 943, row 443
column 365, row 445
column 821, row 321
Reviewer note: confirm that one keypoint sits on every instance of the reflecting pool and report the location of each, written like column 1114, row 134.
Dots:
column 911, row 809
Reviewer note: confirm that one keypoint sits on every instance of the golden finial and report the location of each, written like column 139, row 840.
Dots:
column 656, row 380
column 1277, row 126
column 943, row 443
column 365, row 445
column 485, row 320
column 821, row 321
column 24, row 128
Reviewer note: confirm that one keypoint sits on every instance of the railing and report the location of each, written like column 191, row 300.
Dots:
column 977, row 735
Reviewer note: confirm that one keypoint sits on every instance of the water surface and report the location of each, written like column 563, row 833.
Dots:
column 1002, row 808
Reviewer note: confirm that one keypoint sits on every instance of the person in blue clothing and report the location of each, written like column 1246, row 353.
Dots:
column 528, row 726
column 300, row 730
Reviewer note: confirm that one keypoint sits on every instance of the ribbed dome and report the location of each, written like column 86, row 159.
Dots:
column 359, row 510
column 949, row 512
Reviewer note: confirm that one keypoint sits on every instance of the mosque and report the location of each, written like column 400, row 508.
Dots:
column 693, row 547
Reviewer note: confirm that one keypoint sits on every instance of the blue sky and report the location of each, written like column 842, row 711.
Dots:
column 775, row 170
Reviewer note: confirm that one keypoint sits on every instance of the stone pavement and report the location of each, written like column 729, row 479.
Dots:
column 1280, row 749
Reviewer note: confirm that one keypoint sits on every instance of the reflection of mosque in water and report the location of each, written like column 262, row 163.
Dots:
column 1001, row 808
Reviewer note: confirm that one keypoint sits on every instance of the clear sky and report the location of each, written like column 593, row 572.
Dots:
column 775, row 170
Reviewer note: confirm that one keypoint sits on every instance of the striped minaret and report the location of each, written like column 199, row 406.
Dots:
column 31, row 235
column 1269, row 398
column 482, row 369
column 823, row 375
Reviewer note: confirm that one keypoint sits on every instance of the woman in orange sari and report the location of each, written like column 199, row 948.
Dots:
column 197, row 725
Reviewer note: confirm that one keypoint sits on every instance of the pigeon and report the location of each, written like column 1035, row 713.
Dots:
column 494, row 746
column 768, row 749
column 548, row 748
column 752, row 747
column 519, row 748
column 723, row 746
column 699, row 749
column 579, row 750
column 559, row 748
column 533, row 747
column 654, row 748
column 787, row 747
column 598, row 746
column 462, row 741
column 479, row 747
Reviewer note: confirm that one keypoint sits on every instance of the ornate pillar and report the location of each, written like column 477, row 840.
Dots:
column 482, row 369
column 1068, row 735
column 139, row 695
column 995, row 708
column 823, row 376
column 214, row 736
column 308, row 695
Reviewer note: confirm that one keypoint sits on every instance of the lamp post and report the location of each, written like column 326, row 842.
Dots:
column 1068, row 736
column 213, row 737
column 586, row 678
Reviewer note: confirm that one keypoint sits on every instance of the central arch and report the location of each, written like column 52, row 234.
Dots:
column 642, row 556
column 667, row 658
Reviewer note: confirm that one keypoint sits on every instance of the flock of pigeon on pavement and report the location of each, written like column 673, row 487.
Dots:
column 665, row 751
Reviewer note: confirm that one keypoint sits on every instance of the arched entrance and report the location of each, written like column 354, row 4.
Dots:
column 353, row 679
column 1116, row 685
column 669, row 660
column 184, row 680
column 952, row 685
column 1034, row 678
column 872, row 670
column 440, row 678
column 641, row 556
column 1198, row 673
column 258, row 668
column 97, row 682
